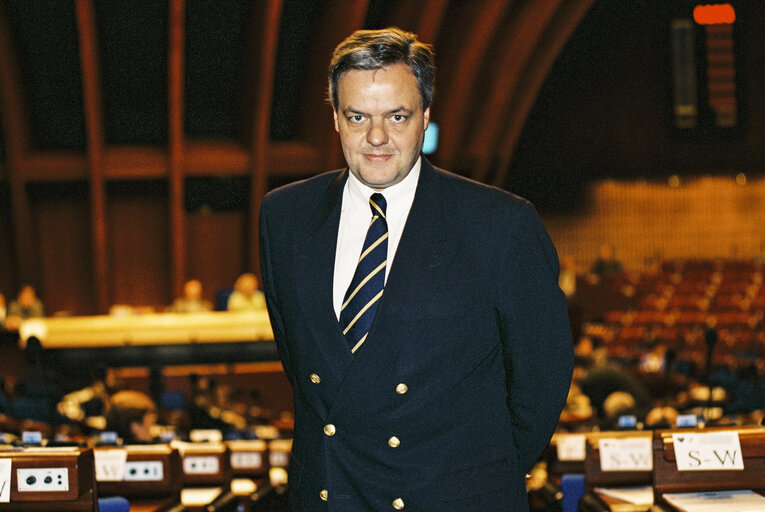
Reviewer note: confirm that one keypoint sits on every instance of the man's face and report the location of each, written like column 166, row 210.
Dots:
column 381, row 123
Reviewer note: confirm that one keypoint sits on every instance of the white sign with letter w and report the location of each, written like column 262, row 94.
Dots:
column 708, row 451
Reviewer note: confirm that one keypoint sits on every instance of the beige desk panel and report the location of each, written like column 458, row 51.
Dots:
column 148, row 329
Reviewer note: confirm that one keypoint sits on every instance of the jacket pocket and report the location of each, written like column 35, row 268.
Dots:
column 476, row 480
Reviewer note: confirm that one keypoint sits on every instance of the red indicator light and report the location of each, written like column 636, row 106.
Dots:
column 714, row 14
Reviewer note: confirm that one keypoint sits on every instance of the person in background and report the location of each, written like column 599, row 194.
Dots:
column 246, row 295
column 87, row 406
column 192, row 300
column 3, row 311
column 606, row 264
column 26, row 305
column 710, row 341
column 38, row 386
column 600, row 385
column 132, row 415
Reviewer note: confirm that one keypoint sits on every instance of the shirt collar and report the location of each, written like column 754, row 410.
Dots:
column 401, row 192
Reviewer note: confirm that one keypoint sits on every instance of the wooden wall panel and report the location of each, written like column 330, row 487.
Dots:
column 62, row 228
column 139, row 243
column 702, row 218
column 216, row 248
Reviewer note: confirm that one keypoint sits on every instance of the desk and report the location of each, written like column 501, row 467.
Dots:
column 153, row 339
column 148, row 329
column 50, row 479
column 668, row 479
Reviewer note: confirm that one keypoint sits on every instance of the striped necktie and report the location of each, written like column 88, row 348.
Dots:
column 366, row 288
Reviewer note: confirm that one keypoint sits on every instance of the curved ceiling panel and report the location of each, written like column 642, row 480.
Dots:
column 121, row 52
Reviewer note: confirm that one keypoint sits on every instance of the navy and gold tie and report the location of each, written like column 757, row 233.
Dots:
column 366, row 288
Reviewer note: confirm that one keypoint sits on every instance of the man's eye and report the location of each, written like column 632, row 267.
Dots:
column 356, row 118
column 398, row 118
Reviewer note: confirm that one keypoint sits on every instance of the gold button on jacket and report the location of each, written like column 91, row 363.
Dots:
column 394, row 442
column 324, row 495
column 329, row 429
column 402, row 388
column 398, row 504
column 315, row 378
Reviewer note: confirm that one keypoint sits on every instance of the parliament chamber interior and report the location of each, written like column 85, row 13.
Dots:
column 138, row 369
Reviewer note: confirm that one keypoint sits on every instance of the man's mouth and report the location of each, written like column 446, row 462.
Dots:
column 377, row 157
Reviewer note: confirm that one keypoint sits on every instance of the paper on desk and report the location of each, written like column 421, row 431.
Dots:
column 110, row 465
column 199, row 497
column 5, row 480
column 717, row 501
column 637, row 495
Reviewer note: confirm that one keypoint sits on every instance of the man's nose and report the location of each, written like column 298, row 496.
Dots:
column 377, row 135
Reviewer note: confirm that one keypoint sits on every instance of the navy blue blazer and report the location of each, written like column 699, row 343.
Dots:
column 461, row 381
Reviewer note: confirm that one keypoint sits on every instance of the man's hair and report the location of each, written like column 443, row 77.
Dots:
column 375, row 49
column 127, row 407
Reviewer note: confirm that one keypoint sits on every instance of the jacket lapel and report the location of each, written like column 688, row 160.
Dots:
column 314, row 261
column 427, row 243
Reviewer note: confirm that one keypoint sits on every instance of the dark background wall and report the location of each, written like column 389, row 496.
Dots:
column 605, row 110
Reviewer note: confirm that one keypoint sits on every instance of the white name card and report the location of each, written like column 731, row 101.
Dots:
column 110, row 465
column 570, row 446
column 246, row 460
column 5, row 480
column 626, row 454
column 708, row 451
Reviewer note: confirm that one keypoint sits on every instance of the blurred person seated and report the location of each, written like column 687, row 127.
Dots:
column 577, row 408
column 192, row 300
column 26, row 305
column 618, row 405
column 602, row 382
column 87, row 406
column 710, row 341
column 589, row 352
column 211, row 407
column 748, row 390
column 606, row 264
column 654, row 360
column 246, row 295
column 3, row 311
column 661, row 417
column 132, row 415
column 38, row 386
column 5, row 398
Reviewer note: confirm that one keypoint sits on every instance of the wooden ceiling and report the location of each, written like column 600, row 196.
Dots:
column 493, row 56
column 102, row 91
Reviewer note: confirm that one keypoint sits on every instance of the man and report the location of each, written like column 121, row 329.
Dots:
column 192, row 300
column 27, row 305
column 132, row 415
column 447, row 395
column 246, row 296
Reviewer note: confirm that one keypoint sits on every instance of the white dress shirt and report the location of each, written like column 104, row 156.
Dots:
column 354, row 222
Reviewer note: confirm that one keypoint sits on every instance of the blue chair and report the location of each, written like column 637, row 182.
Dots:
column 221, row 299
column 113, row 504
column 572, row 487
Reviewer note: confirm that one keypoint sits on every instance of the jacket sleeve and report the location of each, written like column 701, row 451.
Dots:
column 536, row 335
column 272, row 301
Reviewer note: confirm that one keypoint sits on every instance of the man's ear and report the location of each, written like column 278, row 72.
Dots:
column 135, row 429
column 426, row 119
column 334, row 116
column 139, row 431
